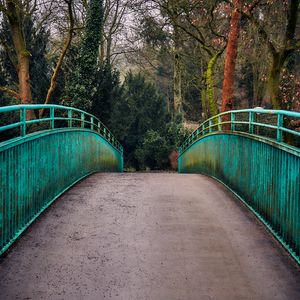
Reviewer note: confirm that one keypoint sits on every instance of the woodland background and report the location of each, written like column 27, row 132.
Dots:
column 151, row 70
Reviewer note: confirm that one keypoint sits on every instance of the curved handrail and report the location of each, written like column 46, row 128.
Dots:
column 216, row 124
column 90, row 120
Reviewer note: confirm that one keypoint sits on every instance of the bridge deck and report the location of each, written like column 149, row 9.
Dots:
column 148, row 236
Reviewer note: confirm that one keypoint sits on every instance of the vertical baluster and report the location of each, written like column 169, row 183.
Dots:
column 251, row 120
column 70, row 118
column 219, row 123
column 52, row 118
column 279, row 125
column 23, row 121
column 232, row 115
column 210, row 124
column 92, row 123
column 82, row 120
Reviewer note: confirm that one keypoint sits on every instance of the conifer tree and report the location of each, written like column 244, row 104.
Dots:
column 81, row 86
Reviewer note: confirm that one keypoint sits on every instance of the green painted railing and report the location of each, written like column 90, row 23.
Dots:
column 264, row 172
column 37, row 167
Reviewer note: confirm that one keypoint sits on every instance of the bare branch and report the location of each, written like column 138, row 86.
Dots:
column 62, row 55
column 9, row 92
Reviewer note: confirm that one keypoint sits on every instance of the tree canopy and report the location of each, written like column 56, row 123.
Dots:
column 151, row 69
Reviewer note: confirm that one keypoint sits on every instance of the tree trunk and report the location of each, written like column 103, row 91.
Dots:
column 272, row 93
column 108, row 49
column 23, row 56
column 177, row 84
column 279, row 57
column 177, row 74
column 230, row 59
column 59, row 63
column 212, row 103
column 205, row 113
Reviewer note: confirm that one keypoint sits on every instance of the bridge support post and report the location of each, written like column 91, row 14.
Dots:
column 251, row 121
column 23, row 121
column 279, row 125
column 69, row 118
column 210, row 124
column 82, row 120
column 92, row 123
column 232, row 116
column 52, row 117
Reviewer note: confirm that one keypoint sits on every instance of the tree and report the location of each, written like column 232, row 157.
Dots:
column 115, row 12
column 81, row 87
column 108, row 91
column 62, row 55
column 153, row 151
column 196, row 20
column 15, row 16
column 141, row 108
column 17, row 12
column 280, row 53
column 230, row 58
column 39, row 69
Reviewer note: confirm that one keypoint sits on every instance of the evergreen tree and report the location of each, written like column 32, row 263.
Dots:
column 37, row 42
column 82, row 82
column 108, row 91
column 142, row 108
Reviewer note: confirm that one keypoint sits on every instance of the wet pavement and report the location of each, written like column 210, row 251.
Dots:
column 160, row 236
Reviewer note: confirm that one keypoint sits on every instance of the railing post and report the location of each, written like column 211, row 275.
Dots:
column 279, row 125
column 232, row 117
column 210, row 123
column 92, row 123
column 104, row 132
column 82, row 120
column 219, row 123
column 52, row 117
column 99, row 127
column 251, row 120
column 23, row 121
column 69, row 118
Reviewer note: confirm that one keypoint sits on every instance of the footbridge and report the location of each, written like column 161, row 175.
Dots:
column 73, row 226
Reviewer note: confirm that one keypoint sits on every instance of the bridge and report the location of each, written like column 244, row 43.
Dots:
column 73, row 226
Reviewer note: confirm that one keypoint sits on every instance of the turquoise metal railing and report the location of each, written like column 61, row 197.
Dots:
column 72, row 116
column 36, row 168
column 263, row 172
column 217, row 123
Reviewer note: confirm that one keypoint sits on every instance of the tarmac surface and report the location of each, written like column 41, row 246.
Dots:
column 140, row 236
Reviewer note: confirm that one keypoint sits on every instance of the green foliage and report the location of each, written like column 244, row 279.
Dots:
column 108, row 91
column 175, row 132
column 37, row 43
column 81, row 87
column 140, row 109
column 153, row 34
column 153, row 151
column 142, row 125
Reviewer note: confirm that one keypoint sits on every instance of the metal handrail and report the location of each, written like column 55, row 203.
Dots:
column 216, row 124
column 93, row 122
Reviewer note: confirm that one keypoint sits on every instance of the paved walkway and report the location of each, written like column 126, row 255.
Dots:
column 153, row 236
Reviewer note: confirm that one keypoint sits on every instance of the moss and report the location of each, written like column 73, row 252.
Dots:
column 212, row 103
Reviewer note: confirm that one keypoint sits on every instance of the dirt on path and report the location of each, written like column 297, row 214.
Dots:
column 153, row 236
